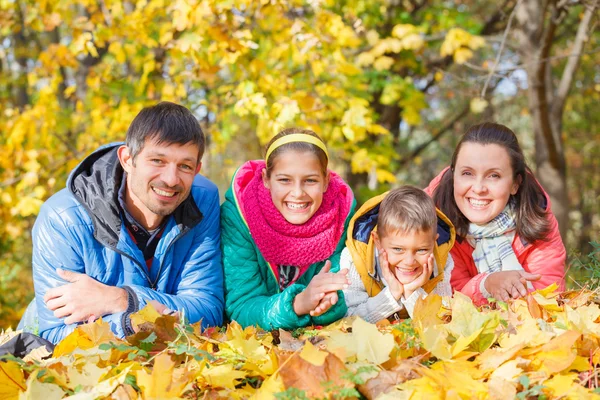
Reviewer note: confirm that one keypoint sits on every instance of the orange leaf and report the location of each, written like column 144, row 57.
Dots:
column 297, row 373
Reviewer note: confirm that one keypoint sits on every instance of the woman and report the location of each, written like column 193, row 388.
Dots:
column 508, row 238
column 283, row 226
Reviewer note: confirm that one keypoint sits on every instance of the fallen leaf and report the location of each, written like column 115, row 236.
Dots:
column 386, row 381
column 371, row 344
column 223, row 376
column 298, row 373
column 12, row 380
column 313, row 355
column 160, row 382
column 38, row 390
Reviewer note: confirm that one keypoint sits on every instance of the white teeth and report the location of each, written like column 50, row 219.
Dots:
column 163, row 193
column 479, row 203
column 297, row 206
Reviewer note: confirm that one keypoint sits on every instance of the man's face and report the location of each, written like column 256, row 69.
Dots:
column 160, row 178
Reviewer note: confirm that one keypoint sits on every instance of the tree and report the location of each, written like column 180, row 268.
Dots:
column 539, row 24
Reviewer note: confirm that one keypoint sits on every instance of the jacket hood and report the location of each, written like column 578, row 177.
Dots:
column 95, row 183
column 362, row 247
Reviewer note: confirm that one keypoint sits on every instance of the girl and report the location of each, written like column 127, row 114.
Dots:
column 508, row 238
column 283, row 226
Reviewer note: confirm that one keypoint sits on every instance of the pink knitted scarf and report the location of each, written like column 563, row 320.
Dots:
column 283, row 243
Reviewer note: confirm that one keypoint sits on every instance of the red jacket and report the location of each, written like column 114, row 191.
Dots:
column 544, row 257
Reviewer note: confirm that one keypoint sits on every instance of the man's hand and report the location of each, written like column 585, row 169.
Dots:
column 504, row 285
column 420, row 280
column 396, row 288
column 321, row 284
column 84, row 298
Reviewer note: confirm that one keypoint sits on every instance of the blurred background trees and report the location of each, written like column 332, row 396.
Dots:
column 389, row 84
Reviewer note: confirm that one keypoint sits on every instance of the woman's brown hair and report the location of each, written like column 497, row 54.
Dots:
column 529, row 201
column 299, row 147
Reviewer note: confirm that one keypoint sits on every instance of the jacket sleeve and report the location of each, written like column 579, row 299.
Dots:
column 338, row 310
column 54, row 247
column 547, row 258
column 462, row 280
column 199, row 288
column 248, row 300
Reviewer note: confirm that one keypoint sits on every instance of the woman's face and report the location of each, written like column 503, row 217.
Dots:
column 297, row 185
column 483, row 181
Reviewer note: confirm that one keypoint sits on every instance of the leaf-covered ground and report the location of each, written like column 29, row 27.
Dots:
column 545, row 346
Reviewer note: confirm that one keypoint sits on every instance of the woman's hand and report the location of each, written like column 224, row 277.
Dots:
column 321, row 285
column 420, row 280
column 396, row 288
column 504, row 285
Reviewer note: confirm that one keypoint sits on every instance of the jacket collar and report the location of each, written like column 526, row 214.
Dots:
column 95, row 183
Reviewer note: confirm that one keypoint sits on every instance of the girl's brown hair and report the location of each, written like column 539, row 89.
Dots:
column 299, row 147
column 529, row 201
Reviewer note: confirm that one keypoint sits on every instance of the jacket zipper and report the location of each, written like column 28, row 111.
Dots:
column 142, row 269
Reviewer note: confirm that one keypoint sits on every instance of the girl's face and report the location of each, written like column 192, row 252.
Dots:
column 297, row 185
column 483, row 181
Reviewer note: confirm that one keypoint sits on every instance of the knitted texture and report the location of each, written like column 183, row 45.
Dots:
column 493, row 243
column 283, row 243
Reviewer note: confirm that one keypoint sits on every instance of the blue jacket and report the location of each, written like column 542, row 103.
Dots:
column 80, row 229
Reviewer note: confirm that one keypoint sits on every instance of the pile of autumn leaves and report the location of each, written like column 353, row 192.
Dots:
column 545, row 346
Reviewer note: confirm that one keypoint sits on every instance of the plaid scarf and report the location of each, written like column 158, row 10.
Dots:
column 492, row 242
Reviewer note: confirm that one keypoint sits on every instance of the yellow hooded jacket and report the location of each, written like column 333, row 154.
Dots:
column 361, row 245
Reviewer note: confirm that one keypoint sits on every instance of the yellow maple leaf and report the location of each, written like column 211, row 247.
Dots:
column 269, row 387
column 312, row 354
column 508, row 371
column 12, row 380
column 492, row 358
column 557, row 354
column 38, row 390
column 222, row 376
column 85, row 337
column 146, row 314
column 466, row 320
column 371, row 344
column 161, row 382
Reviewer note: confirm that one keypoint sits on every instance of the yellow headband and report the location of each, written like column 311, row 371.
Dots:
column 296, row 137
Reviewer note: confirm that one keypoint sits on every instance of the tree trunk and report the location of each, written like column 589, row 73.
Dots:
column 537, row 22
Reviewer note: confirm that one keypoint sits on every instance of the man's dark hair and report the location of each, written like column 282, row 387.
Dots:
column 167, row 123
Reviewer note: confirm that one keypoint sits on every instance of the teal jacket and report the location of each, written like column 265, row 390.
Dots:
column 252, row 294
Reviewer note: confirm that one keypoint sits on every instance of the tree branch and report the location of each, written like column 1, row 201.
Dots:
column 449, row 125
column 569, row 72
column 508, row 25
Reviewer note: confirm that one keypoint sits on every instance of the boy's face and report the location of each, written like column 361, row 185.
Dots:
column 407, row 252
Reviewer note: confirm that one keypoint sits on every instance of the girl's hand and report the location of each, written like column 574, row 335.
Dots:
column 420, row 280
column 320, row 285
column 396, row 288
column 504, row 285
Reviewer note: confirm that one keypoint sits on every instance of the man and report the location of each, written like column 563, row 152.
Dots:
column 135, row 224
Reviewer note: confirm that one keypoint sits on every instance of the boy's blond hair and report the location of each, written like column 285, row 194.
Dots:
column 406, row 209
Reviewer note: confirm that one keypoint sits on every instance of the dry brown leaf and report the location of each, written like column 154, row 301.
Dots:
column 385, row 381
column 288, row 342
column 298, row 373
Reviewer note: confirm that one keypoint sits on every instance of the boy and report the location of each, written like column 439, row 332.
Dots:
column 397, row 250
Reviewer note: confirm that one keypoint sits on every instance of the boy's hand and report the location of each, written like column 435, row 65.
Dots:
column 320, row 285
column 396, row 288
column 328, row 301
column 420, row 280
